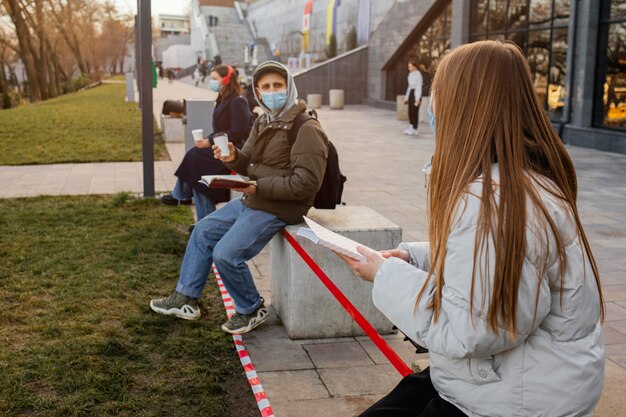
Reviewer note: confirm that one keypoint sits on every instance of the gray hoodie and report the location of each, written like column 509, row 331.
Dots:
column 292, row 91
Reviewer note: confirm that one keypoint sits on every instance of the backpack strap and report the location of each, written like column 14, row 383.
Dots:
column 298, row 122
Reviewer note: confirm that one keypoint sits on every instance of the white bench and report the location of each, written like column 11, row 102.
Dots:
column 306, row 307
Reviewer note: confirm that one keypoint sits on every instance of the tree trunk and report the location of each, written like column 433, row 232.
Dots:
column 23, row 37
column 5, row 98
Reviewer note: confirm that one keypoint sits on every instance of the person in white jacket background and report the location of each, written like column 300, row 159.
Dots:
column 413, row 96
column 506, row 293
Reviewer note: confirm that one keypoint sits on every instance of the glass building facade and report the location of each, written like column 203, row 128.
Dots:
column 610, row 88
column 540, row 29
column 576, row 50
column 435, row 41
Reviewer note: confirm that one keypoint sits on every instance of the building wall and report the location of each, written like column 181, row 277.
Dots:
column 338, row 73
column 279, row 21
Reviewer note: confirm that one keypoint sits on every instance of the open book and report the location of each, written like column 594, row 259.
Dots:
column 321, row 236
column 226, row 181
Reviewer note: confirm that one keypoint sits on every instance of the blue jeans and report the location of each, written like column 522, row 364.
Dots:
column 230, row 237
column 204, row 205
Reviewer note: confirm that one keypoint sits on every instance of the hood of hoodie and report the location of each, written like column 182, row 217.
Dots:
column 292, row 91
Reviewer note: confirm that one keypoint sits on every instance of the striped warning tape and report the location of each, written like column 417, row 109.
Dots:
column 257, row 389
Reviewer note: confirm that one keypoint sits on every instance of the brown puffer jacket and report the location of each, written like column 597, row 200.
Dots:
column 288, row 177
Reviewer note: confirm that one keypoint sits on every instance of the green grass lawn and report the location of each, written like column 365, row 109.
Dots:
column 77, row 337
column 96, row 125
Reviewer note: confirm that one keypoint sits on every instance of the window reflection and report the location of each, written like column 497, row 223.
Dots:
column 538, row 57
column 497, row 15
column 556, row 85
column 480, row 16
column 618, row 9
column 614, row 89
column 518, row 11
column 540, row 29
column 540, row 12
column 435, row 42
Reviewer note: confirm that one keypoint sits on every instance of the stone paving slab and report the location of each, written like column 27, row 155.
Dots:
column 293, row 385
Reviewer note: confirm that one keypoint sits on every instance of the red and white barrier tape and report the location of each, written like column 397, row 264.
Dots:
column 257, row 389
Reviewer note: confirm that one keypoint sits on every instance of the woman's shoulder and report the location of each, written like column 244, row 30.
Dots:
column 237, row 99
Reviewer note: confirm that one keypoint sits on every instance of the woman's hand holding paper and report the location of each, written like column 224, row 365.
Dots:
column 396, row 253
column 366, row 270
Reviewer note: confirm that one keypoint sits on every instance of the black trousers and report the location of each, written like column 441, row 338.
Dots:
column 414, row 396
column 413, row 110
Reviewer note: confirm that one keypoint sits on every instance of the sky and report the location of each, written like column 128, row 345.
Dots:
column 158, row 6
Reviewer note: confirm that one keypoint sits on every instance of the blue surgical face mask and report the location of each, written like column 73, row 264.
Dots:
column 214, row 85
column 431, row 115
column 274, row 101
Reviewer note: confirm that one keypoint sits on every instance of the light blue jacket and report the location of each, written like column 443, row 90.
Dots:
column 556, row 365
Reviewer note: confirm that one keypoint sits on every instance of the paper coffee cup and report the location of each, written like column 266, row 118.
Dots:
column 222, row 142
column 197, row 134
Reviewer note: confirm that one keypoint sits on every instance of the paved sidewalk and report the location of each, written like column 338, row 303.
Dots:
column 342, row 377
column 101, row 178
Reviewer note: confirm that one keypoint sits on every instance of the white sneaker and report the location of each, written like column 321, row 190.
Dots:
column 409, row 131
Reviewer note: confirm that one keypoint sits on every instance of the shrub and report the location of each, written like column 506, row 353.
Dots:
column 331, row 50
column 351, row 39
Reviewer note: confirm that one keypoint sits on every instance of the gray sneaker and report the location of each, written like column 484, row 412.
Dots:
column 243, row 323
column 178, row 305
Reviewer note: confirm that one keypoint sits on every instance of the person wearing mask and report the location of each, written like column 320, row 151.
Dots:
column 287, row 178
column 413, row 97
column 506, row 294
column 231, row 115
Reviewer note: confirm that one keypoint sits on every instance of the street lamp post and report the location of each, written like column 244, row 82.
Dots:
column 145, row 93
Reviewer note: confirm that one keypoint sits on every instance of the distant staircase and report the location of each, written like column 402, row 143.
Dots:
column 232, row 34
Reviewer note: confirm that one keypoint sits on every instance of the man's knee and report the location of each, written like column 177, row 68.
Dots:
column 224, row 254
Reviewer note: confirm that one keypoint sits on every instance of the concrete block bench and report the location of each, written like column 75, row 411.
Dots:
column 305, row 306
column 336, row 99
column 314, row 101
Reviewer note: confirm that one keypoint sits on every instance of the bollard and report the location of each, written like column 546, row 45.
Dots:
column 336, row 99
column 198, row 115
column 314, row 101
column 130, row 87
column 423, row 113
column 402, row 110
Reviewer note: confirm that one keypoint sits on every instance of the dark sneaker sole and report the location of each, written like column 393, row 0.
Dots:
column 186, row 312
column 253, row 324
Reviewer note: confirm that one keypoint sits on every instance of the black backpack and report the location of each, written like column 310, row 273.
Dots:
column 329, row 194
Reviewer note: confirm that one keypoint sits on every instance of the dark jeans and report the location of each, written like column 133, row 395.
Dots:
column 413, row 110
column 414, row 396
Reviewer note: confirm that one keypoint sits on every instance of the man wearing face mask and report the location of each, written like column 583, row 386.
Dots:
column 287, row 178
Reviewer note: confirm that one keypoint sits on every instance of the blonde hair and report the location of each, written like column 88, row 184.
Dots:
column 486, row 112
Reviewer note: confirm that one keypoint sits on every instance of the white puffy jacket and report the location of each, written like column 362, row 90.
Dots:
column 556, row 365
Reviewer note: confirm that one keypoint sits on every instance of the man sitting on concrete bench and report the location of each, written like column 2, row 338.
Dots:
column 288, row 177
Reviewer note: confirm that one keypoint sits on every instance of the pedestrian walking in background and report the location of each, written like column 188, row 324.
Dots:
column 413, row 96
column 231, row 115
column 196, row 75
column 288, row 175
column 506, row 294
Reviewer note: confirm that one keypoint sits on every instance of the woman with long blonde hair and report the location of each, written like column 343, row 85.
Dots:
column 506, row 294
